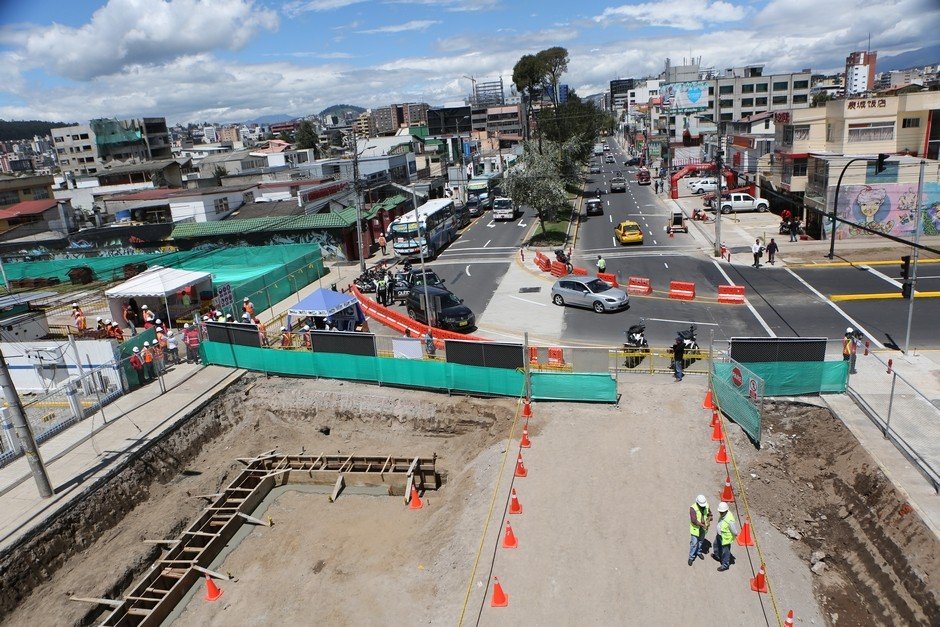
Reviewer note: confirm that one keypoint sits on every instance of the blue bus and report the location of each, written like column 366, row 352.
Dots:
column 425, row 230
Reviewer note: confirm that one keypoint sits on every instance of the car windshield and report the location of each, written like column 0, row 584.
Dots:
column 502, row 203
column 472, row 200
column 449, row 300
column 427, row 277
column 597, row 286
column 629, row 227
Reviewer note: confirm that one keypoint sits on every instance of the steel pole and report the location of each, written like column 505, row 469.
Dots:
column 356, row 188
column 918, row 225
column 427, row 300
column 23, row 432
column 718, row 204
column 835, row 208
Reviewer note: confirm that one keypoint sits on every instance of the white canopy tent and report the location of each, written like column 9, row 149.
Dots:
column 162, row 290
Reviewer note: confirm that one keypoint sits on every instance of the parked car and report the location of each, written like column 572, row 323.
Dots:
column 741, row 202
column 632, row 161
column 594, row 207
column 703, row 184
column 447, row 311
column 591, row 292
column 628, row 232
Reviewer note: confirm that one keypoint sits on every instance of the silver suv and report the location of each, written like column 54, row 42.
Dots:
column 586, row 291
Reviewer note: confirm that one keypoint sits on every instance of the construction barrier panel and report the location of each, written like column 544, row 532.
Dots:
column 792, row 378
column 607, row 277
column 431, row 374
column 681, row 290
column 731, row 294
column 579, row 271
column 740, row 393
column 558, row 269
column 639, row 286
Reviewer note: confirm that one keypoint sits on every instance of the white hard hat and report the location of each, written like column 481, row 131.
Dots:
column 850, row 330
column 136, row 349
column 205, row 317
column 283, row 328
column 722, row 507
column 246, row 316
column 108, row 321
column 146, row 344
column 245, row 300
column 169, row 333
column 143, row 306
column 186, row 326
column 74, row 305
column 158, row 321
column 701, row 500
column 98, row 319
column 306, row 327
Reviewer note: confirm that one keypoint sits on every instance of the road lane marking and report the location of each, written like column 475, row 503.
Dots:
column 526, row 300
column 487, row 243
column 882, row 275
column 467, row 270
column 834, row 306
column 666, row 264
column 695, row 322
column 613, row 240
column 610, row 218
column 654, row 241
column 760, row 319
column 838, row 298
column 491, row 225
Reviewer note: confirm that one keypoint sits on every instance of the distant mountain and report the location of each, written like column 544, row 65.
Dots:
column 929, row 55
column 340, row 109
column 271, row 119
column 26, row 129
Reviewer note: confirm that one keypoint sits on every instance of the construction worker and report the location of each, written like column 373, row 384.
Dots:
column 850, row 348
column 287, row 338
column 262, row 334
column 147, row 356
column 148, row 315
column 248, row 307
column 172, row 348
column 130, row 318
column 159, row 352
column 727, row 530
column 380, row 290
column 137, row 365
column 700, row 517
column 308, row 341
column 191, row 339
column 115, row 332
column 101, row 331
column 601, row 264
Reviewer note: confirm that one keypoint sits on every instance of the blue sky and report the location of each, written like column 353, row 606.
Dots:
column 231, row 60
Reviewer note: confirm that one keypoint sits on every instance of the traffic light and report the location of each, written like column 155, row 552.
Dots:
column 906, row 287
column 880, row 163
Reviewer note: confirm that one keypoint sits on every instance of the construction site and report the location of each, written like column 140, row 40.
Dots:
column 285, row 501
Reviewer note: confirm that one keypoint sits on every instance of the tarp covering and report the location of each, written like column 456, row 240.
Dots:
column 157, row 281
column 792, row 378
column 322, row 303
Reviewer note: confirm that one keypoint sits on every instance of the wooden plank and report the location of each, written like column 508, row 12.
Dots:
column 340, row 484
column 201, row 533
column 212, row 573
column 170, row 542
column 97, row 601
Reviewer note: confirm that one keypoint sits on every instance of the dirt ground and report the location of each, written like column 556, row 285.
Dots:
column 821, row 489
column 259, row 414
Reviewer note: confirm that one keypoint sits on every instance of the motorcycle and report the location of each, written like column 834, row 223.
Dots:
column 367, row 282
column 689, row 344
column 785, row 228
column 635, row 343
column 561, row 257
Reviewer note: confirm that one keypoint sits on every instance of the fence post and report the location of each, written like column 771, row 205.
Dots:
column 525, row 361
column 894, row 379
column 71, row 394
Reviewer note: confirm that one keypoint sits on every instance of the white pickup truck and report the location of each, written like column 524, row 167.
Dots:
column 737, row 202
column 503, row 209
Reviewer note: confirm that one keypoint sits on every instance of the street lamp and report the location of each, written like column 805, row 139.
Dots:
column 357, row 189
column 879, row 168
column 421, row 235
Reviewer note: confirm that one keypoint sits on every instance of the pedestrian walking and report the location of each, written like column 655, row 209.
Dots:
column 772, row 249
column 382, row 243
column 700, row 517
column 678, row 353
column 794, row 229
column 850, row 348
column 758, row 250
column 389, row 288
column 601, row 264
column 429, row 344
column 130, row 318
column 727, row 530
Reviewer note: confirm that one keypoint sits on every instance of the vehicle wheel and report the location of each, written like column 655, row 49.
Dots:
column 700, row 191
column 762, row 208
column 558, row 300
column 598, row 306
column 411, row 314
column 726, row 210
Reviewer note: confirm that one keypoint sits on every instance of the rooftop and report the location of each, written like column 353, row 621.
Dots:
column 27, row 208
column 145, row 166
column 170, row 193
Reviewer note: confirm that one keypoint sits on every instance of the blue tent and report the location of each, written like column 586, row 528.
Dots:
column 334, row 306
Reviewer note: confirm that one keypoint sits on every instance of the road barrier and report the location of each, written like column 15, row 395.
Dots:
column 558, row 269
column 542, row 262
column 639, row 286
column 731, row 294
column 607, row 277
column 579, row 271
column 681, row 290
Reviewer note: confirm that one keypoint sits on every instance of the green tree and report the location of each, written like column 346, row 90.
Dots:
column 821, row 98
column 528, row 75
column 534, row 182
column 306, row 136
column 218, row 173
column 285, row 137
column 574, row 125
column 554, row 63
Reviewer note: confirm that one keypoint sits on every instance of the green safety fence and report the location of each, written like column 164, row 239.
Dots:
column 127, row 349
column 792, row 378
column 431, row 374
column 739, row 392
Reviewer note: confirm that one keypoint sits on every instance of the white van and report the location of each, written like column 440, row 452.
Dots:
column 503, row 209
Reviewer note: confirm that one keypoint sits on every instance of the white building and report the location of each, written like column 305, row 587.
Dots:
column 860, row 72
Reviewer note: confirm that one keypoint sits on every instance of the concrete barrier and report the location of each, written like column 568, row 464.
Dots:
column 731, row 294
column 681, row 290
column 639, row 286
column 608, row 278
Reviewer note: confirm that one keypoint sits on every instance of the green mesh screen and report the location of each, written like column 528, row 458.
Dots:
column 735, row 400
column 582, row 386
column 127, row 349
column 791, row 378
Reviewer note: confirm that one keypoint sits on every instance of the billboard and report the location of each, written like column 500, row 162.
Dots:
column 685, row 97
column 889, row 208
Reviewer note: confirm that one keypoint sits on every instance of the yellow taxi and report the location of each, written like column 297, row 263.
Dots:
column 628, row 232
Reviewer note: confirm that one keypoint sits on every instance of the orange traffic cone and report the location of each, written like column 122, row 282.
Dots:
column 727, row 495
column 789, row 621
column 415, row 501
column 524, row 442
column 212, row 591
column 520, row 467
column 715, row 421
column 717, row 435
column 759, row 582
column 515, row 507
column 722, row 455
column 509, row 538
column 500, row 598
column 707, row 403
column 526, row 408
column 744, row 538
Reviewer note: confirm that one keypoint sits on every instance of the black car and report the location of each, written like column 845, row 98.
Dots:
column 416, row 277
column 474, row 206
column 594, row 207
column 449, row 312
column 632, row 161
column 595, row 169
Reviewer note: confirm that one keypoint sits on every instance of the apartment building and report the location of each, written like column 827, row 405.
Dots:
column 17, row 189
column 229, row 134
column 365, row 124
column 391, row 118
column 860, row 72
column 84, row 149
column 505, row 123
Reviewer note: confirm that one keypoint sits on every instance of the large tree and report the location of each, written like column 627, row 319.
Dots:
column 306, row 137
column 534, row 182
column 554, row 62
column 528, row 75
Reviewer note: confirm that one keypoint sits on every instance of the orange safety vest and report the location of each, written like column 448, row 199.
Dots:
column 80, row 322
column 287, row 340
column 148, row 356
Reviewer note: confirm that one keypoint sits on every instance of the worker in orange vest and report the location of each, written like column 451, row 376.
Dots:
column 262, row 335
column 147, row 355
column 115, row 332
column 287, row 338
column 158, row 349
column 80, row 322
column 248, row 307
column 308, row 343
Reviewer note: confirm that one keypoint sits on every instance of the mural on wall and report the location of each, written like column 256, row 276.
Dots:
column 887, row 208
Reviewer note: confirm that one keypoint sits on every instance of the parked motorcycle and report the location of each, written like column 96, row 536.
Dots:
column 561, row 257
column 690, row 344
column 367, row 282
column 635, row 343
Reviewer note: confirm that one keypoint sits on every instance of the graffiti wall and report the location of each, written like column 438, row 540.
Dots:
column 889, row 208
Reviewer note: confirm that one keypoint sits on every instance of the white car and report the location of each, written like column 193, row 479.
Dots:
column 703, row 184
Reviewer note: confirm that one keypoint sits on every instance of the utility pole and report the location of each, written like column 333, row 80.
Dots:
column 918, row 225
column 358, row 191
column 21, row 426
column 718, row 155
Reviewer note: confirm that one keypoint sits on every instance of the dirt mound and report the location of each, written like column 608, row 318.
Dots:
column 875, row 560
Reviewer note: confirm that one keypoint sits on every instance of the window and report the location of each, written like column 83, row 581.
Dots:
column 40, row 192
column 800, row 99
column 762, row 88
column 747, row 102
column 799, row 167
column 780, row 100
column 910, row 123
column 711, row 90
column 871, row 131
column 74, row 138
column 220, row 205
column 9, row 198
column 781, row 85
column 727, row 117
column 767, row 124
column 83, row 136
column 829, row 132
column 800, row 84
column 726, row 103
column 726, row 89
column 747, row 89
column 760, row 102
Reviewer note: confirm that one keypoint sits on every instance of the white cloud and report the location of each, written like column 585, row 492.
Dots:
column 401, row 28
column 681, row 14
column 128, row 32
column 454, row 5
column 296, row 7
